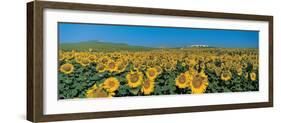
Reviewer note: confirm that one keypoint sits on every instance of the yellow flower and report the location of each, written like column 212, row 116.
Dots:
column 253, row 76
column 69, row 55
column 199, row 83
column 147, row 86
column 92, row 58
column 151, row 73
column 100, row 67
column 239, row 71
column 169, row 66
column 183, row 80
column 111, row 84
column 98, row 92
column 84, row 62
column 104, row 60
column 121, row 66
column 226, row 75
column 111, row 66
column 61, row 56
column 134, row 79
column 67, row 68
column 218, row 71
column 191, row 62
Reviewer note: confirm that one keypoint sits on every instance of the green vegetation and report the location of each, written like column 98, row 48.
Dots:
column 101, row 46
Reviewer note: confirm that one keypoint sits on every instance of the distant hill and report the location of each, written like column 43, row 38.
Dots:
column 101, row 46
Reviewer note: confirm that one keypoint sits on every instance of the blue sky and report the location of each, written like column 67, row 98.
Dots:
column 157, row 36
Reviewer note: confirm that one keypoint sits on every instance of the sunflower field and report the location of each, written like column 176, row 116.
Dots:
column 92, row 74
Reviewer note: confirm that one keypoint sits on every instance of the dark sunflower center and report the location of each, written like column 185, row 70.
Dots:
column 146, row 84
column 182, row 79
column 111, row 83
column 101, row 67
column 66, row 67
column 104, row 60
column 111, row 65
column 151, row 73
column 197, row 81
column 134, row 78
column 225, row 75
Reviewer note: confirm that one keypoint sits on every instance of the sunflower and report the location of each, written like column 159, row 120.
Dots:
column 111, row 84
column 151, row 73
column 61, row 56
column 183, row 64
column 92, row 58
column 218, row 71
column 137, row 65
column 147, row 86
column 183, row 80
column 226, row 75
column 134, row 79
column 159, row 69
column 199, row 83
column 69, row 55
column 121, row 66
column 253, row 76
column 239, row 71
column 84, row 62
column 191, row 62
column 67, row 68
column 98, row 92
column 100, row 67
column 111, row 66
column 104, row 60
column 169, row 66
column 202, row 65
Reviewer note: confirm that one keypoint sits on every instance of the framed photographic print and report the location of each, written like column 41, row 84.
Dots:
column 96, row 61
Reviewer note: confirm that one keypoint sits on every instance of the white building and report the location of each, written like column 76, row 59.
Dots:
column 199, row 46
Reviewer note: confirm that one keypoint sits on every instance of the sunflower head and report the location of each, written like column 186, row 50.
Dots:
column 92, row 58
column 100, row 67
column 218, row 71
column 61, row 56
column 134, row 79
column 183, row 80
column 98, row 92
column 111, row 66
column 68, row 55
column 111, row 84
column 104, row 60
column 151, row 73
column 239, row 71
column 191, row 62
column 169, row 66
column 147, row 86
column 226, row 75
column 199, row 83
column 84, row 62
column 253, row 76
column 67, row 68
column 121, row 66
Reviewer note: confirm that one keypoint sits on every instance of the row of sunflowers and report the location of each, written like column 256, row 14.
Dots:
column 89, row 74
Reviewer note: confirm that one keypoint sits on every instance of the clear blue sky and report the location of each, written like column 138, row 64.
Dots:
column 157, row 36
